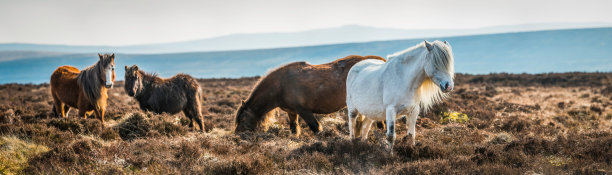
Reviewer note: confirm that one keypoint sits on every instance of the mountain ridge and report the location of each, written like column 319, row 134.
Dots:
column 337, row 35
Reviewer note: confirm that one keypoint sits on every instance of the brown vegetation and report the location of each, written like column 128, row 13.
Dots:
column 546, row 123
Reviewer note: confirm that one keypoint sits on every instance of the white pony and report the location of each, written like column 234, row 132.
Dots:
column 411, row 80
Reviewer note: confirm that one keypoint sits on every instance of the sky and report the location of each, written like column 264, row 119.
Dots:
column 130, row 22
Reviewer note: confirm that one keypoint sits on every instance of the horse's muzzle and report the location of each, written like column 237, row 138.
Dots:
column 108, row 85
column 446, row 87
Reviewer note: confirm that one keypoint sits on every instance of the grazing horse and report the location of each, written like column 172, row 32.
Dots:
column 299, row 88
column 85, row 90
column 409, row 81
column 172, row 95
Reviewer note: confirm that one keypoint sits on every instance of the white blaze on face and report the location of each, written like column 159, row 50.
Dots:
column 109, row 76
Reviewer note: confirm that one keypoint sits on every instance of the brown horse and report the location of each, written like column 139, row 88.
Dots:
column 172, row 95
column 85, row 90
column 299, row 88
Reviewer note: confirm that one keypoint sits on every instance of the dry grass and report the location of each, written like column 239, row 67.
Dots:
column 15, row 153
column 516, row 124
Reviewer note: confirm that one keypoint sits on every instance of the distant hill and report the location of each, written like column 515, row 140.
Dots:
column 16, row 55
column 530, row 52
column 344, row 34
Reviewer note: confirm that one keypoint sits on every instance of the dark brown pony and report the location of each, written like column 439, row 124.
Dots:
column 299, row 88
column 172, row 95
column 85, row 90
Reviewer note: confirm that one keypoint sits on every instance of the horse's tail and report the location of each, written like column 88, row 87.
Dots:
column 200, row 96
column 195, row 93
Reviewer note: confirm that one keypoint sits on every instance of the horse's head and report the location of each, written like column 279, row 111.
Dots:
column 245, row 118
column 133, row 80
column 107, row 68
column 439, row 67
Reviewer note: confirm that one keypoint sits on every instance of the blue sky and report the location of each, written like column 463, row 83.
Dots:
column 127, row 22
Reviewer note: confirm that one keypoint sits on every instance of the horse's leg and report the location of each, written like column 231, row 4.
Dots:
column 62, row 111
column 58, row 107
column 381, row 124
column 83, row 106
column 66, row 110
column 294, row 123
column 99, row 113
column 193, row 114
column 198, row 118
column 352, row 118
column 365, row 129
column 102, row 116
column 310, row 119
column 54, row 111
column 190, row 122
column 82, row 113
column 189, row 115
column 411, row 123
column 358, row 124
column 390, row 116
column 89, row 114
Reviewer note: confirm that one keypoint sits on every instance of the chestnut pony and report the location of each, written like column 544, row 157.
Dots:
column 300, row 89
column 85, row 90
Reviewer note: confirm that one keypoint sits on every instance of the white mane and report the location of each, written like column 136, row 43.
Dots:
column 441, row 57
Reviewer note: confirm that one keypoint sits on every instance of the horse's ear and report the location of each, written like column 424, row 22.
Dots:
column 100, row 55
column 113, row 56
column 428, row 45
column 135, row 67
column 126, row 67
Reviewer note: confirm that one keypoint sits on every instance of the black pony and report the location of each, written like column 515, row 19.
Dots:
column 172, row 95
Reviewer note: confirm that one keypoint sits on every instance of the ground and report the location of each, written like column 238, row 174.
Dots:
column 516, row 124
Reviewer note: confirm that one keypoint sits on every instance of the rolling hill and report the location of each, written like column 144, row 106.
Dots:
column 522, row 52
column 337, row 35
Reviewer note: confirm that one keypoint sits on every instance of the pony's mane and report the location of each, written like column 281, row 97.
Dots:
column 150, row 77
column 89, row 79
column 405, row 53
column 441, row 57
column 429, row 94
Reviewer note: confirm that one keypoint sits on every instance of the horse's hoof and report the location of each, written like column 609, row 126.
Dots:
column 316, row 132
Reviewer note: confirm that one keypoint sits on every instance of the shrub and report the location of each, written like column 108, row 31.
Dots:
column 169, row 129
column 109, row 134
column 14, row 154
column 454, row 117
column 135, row 126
